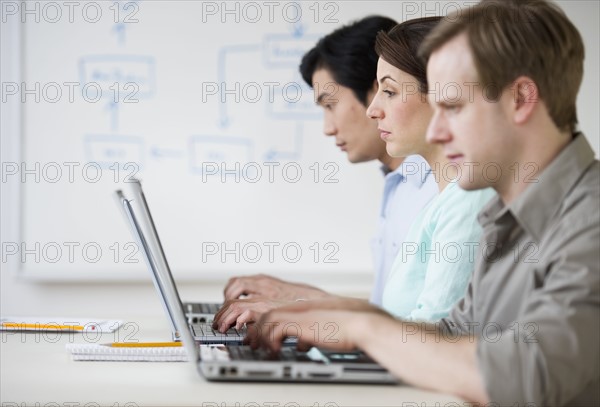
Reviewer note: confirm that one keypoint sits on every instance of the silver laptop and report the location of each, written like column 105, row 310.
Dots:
column 196, row 312
column 143, row 229
column 242, row 363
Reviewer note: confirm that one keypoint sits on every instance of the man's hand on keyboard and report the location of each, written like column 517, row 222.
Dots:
column 336, row 303
column 337, row 330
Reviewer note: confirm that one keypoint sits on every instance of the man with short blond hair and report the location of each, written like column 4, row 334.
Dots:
column 504, row 77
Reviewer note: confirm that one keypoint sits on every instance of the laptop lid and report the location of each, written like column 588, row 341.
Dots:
column 195, row 311
column 168, row 292
column 148, row 226
column 142, row 226
column 161, row 286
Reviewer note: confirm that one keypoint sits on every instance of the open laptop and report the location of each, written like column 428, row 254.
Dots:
column 241, row 363
column 143, row 229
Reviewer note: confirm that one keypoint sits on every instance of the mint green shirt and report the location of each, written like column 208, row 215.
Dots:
column 434, row 265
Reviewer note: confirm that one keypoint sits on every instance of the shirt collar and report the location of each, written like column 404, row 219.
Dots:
column 385, row 170
column 414, row 169
column 542, row 200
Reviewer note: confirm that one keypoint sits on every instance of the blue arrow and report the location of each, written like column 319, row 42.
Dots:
column 224, row 120
column 119, row 28
column 289, row 155
column 298, row 27
column 165, row 153
column 113, row 110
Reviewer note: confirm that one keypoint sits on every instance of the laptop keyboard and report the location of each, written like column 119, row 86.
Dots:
column 202, row 308
column 206, row 330
column 247, row 353
column 206, row 308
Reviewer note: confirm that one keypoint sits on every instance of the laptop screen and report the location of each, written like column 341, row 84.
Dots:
column 163, row 282
column 161, row 275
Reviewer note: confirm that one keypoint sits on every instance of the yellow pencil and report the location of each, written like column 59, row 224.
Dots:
column 17, row 325
column 143, row 344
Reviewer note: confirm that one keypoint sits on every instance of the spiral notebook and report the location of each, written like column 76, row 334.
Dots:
column 98, row 352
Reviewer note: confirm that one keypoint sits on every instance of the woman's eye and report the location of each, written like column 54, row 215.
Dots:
column 450, row 108
column 389, row 93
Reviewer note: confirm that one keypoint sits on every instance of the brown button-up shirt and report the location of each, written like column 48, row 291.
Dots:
column 534, row 298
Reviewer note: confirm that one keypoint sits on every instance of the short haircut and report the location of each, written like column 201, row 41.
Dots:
column 399, row 47
column 349, row 55
column 512, row 38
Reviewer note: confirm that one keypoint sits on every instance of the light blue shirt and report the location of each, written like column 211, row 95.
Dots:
column 435, row 263
column 407, row 190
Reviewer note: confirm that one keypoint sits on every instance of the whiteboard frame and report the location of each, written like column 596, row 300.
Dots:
column 10, row 141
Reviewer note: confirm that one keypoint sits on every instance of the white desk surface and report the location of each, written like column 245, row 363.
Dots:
column 35, row 369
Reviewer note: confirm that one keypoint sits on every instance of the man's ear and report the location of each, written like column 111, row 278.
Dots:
column 526, row 97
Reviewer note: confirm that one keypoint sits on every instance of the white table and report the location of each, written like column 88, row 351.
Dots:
column 35, row 369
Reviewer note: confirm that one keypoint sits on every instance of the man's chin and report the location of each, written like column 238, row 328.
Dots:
column 355, row 160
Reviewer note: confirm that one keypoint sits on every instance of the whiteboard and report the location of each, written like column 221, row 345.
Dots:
column 203, row 102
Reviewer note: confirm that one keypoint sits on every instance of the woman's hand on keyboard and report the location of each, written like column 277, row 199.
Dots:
column 236, row 313
column 265, row 286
